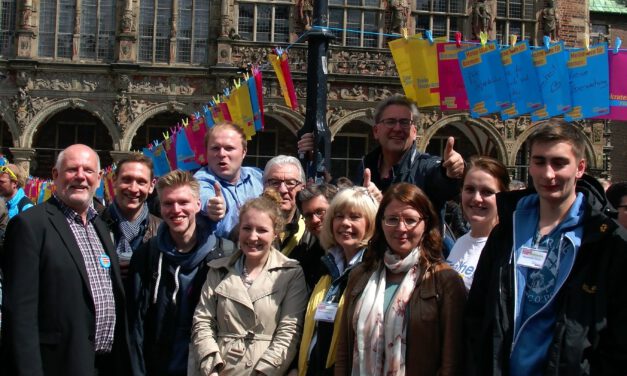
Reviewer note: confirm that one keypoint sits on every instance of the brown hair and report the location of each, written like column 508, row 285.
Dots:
column 431, row 242
column 491, row 166
column 229, row 126
column 398, row 100
column 137, row 158
column 559, row 130
column 178, row 178
column 270, row 203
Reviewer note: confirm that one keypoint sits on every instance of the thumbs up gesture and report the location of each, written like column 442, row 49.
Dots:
column 452, row 161
column 371, row 187
column 216, row 208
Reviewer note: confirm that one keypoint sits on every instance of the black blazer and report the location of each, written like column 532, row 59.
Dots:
column 48, row 312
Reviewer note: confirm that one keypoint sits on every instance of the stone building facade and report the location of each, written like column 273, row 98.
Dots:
column 116, row 74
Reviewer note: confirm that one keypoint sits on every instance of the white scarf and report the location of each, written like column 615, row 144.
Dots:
column 379, row 347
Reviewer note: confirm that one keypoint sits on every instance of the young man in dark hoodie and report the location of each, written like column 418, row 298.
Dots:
column 166, row 275
column 548, row 296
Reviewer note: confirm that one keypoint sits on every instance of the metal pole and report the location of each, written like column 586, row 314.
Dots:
column 315, row 116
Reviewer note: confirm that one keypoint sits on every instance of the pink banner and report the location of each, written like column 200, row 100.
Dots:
column 618, row 86
column 452, row 90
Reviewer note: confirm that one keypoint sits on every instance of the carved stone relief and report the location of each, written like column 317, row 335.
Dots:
column 123, row 112
column 169, row 86
column 66, row 82
column 26, row 106
column 362, row 63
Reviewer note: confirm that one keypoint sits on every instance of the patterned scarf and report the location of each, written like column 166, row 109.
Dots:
column 129, row 231
column 380, row 336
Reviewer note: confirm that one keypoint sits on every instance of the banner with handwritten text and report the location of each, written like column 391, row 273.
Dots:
column 484, row 78
column 554, row 81
column 589, row 82
column 522, row 80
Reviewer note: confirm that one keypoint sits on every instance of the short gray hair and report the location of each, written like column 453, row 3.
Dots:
column 283, row 160
column 399, row 100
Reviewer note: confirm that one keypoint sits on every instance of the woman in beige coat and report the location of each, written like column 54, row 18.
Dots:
column 249, row 318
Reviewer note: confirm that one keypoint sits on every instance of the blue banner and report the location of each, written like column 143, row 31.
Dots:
column 184, row 154
column 484, row 78
column 589, row 74
column 553, row 76
column 522, row 79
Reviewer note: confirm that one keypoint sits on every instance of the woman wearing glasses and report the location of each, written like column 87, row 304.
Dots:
column 347, row 227
column 403, row 305
column 483, row 179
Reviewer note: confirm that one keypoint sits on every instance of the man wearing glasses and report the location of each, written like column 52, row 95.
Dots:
column 285, row 174
column 12, row 181
column 224, row 184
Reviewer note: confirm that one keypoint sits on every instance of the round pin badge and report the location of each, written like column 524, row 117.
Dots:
column 105, row 261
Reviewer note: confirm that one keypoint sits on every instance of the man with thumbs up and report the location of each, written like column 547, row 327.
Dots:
column 224, row 183
column 397, row 159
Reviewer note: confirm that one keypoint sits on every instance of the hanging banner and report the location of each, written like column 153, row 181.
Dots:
column 281, row 68
column 484, row 78
column 185, row 157
column 522, row 80
column 159, row 159
column 195, row 131
column 169, row 144
column 254, row 103
column 241, row 95
column 553, row 78
column 618, row 86
column 259, row 90
column 589, row 82
column 404, row 53
column 425, row 68
column 452, row 90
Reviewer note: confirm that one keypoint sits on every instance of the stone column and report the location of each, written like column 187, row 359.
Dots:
column 22, row 157
column 25, row 32
column 127, row 48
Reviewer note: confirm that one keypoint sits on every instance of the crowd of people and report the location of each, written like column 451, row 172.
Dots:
column 236, row 270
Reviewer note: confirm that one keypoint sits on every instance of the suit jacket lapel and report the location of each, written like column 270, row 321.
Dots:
column 59, row 222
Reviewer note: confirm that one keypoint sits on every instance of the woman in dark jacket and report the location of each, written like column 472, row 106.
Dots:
column 404, row 304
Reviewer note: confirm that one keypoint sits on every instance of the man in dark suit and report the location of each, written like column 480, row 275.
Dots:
column 63, row 296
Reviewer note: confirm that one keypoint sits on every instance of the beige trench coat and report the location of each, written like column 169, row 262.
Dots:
column 241, row 330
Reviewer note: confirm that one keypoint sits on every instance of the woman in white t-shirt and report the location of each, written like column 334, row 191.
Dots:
column 483, row 179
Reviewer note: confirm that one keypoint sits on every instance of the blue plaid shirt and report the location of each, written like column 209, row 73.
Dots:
column 99, row 277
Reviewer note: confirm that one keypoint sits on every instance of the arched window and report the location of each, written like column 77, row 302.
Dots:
column 154, row 128
column 97, row 29
column 55, row 38
column 264, row 21
column 7, row 28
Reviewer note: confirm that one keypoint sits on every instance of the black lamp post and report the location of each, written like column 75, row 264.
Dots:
column 315, row 116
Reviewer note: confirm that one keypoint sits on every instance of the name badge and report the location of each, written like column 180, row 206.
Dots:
column 105, row 261
column 326, row 312
column 532, row 257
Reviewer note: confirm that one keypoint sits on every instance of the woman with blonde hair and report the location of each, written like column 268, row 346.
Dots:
column 249, row 318
column 348, row 226
column 403, row 305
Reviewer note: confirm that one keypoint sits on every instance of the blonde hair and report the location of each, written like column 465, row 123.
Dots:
column 178, row 178
column 20, row 175
column 228, row 126
column 269, row 203
column 354, row 198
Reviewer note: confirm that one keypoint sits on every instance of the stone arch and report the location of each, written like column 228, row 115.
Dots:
column 156, row 109
column 287, row 117
column 591, row 161
column 8, row 117
column 489, row 129
column 57, row 106
column 365, row 114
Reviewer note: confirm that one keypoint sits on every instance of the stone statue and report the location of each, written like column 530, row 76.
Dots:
column 549, row 21
column 481, row 18
column 400, row 14
column 305, row 10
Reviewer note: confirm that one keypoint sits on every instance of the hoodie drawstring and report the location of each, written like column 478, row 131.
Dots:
column 176, row 284
column 154, row 297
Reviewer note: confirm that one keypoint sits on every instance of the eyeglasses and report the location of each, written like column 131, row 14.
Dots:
column 391, row 122
column 318, row 214
column 394, row 221
column 6, row 170
column 290, row 183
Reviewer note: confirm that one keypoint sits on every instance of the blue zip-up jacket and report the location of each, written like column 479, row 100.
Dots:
column 13, row 207
column 533, row 336
column 589, row 333
column 250, row 185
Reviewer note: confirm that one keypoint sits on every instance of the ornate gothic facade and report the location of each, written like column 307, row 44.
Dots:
column 115, row 74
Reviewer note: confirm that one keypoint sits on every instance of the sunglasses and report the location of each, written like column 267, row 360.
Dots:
column 6, row 170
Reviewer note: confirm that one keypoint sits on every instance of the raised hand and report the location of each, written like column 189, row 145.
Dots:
column 452, row 161
column 216, row 208
column 371, row 187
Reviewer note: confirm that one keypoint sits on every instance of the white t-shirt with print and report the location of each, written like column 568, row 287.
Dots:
column 464, row 256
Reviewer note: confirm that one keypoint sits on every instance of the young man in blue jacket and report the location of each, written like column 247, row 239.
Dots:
column 549, row 292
